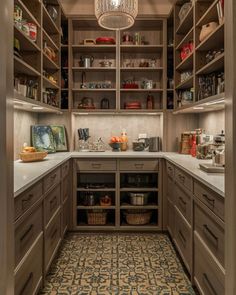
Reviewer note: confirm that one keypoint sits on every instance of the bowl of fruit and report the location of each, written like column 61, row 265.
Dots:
column 115, row 143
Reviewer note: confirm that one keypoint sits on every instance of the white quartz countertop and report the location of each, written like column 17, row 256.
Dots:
column 26, row 174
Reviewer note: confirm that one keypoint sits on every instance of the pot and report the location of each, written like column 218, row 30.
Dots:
column 138, row 199
column 138, row 146
column 207, row 30
column 86, row 61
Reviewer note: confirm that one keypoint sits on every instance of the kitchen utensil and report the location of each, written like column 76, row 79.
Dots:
column 52, row 12
column 184, row 10
column 105, row 103
column 218, row 158
column 133, row 105
column 207, row 30
column 86, row 61
column 154, row 144
column 138, row 146
column 86, row 103
column 106, row 63
column 139, row 199
column 83, row 78
column 89, row 200
column 220, row 138
column 33, row 157
column 89, row 42
column 105, row 40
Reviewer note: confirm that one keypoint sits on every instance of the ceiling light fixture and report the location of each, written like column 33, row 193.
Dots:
column 116, row 14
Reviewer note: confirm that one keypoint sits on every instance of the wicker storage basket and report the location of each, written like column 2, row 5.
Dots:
column 33, row 157
column 138, row 217
column 97, row 217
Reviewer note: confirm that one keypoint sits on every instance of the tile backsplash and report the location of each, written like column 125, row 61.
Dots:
column 109, row 125
column 212, row 122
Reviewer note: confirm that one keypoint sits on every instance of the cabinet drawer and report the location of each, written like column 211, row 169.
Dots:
column 52, row 238
column 183, row 203
column 52, row 203
column 51, row 179
column 170, row 218
column 24, row 201
column 65, row 169
column 183, row 239
column 96, row 165
column 65, row 188
column 183, row 179
column 29, row 276
column 170, row 189
column 210, row 199
column 210, row 231
column 170, row 170
column 208, row 276
column 27, row 232
column 139, row 165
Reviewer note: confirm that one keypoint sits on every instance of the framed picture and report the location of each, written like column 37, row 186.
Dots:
column 59, row 134
column 42, row 138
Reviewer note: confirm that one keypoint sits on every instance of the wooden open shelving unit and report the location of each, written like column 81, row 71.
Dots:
column 186, row 30
column 32, row 62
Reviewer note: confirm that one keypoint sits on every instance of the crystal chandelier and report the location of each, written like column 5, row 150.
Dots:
column 116, row 14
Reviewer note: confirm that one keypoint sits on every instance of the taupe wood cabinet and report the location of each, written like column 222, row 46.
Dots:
column 41, row 220
column 195, row 222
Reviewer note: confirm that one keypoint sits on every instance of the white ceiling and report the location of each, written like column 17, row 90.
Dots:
column 86, row 7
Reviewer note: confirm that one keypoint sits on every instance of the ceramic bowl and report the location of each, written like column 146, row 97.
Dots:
column 115, row 146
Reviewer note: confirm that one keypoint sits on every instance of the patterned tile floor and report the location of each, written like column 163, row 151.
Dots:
column 119, row 264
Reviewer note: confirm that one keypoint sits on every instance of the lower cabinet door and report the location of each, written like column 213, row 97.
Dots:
column 183, row 238
column 208, row 275
column 65, row 217
column 170, row 218
column 28, row 276
column 52, row 238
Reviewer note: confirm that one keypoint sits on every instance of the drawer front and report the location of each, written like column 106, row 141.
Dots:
column 29, row 275
column 65, row 217
column 27, row 199
column 139, row 165
column 171, row 218
column 210, row 199
column 51, row 179
column 170, row 170
column 27, row 232
column 183, row 238
column 96, row 165
column 52, row 203
column 210, row 231
column 207, row 274
column 183, row 179
column 183, row 203
column 65, row 169
column 52, row 237
column 170, row 189
column 65, row 188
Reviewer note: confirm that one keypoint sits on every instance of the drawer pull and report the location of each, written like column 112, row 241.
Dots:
column 26, row 233
column 96, row 165
column 209, row 284
column 210, row 234
column 210, row 201
column 139, row 166
column 182, row 237
column 182, row 201
column 181, row 178
column 29, row 279
column 53, row 203
column 170, row 168
column 53, row 177
column 25, row 202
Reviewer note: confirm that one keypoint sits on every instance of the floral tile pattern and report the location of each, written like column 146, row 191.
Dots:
column 119, row 264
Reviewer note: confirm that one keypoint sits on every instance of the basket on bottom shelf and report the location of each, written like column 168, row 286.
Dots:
column 138, row 217
column 96, row 217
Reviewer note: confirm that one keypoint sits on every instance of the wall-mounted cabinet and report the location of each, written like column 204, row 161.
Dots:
column 199, row 55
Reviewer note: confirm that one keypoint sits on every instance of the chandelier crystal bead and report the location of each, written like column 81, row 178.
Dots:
column 116, row 14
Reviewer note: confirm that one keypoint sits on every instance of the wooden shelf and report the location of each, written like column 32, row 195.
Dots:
column 26, row 44
column 186, row 64
column 21, row 67
column 186, row 23
column 148, row 227
column 212, row 103
column 96, row 189
column 142, row 69
column 95, row 69
column 147, row 207
column 188, row 83
column 93, row 90
column 49, row 64
column 139, row 189
column 31, row 105
column 210, row 15
column 49, row 41
column 48, row 23
column 215, row 65
column 141, row 111
column 187, row 37
column 49, row 84
column 141, row 90
column 142, row 48
column 214, row 40
column 94, row 111
column 96, row 207
column 94, row 48
column 26, row 13
column 85, row 226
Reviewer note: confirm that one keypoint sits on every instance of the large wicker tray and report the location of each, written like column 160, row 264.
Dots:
column 33, row 157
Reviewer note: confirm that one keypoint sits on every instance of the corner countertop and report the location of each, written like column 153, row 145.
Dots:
column 26, row 174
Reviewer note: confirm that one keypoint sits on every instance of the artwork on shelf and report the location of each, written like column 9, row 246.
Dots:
column 42, row 138
column 60, row 139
